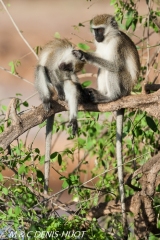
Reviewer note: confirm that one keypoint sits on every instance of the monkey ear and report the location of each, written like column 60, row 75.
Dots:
column 114, row 22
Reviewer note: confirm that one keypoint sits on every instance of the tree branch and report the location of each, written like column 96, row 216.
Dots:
column 149, row 103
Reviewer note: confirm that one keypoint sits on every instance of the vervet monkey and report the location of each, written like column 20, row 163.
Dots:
column 118, row 61
column 56, row 71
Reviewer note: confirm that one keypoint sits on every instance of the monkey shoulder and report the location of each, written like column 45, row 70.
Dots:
column 125, row 39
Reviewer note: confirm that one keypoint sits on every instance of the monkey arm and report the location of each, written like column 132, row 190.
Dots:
column 60, row 92
column 97, row 61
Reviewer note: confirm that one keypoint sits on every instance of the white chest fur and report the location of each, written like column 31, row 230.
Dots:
column 106, row 50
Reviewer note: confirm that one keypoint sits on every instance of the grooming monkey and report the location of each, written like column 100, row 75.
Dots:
column 118, row 61
column 56, row 71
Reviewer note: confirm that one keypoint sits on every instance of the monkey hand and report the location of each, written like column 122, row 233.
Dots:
column 74, row 124
column 60, row 92
column 92, row 93
column 80, row 55
column 96, row 97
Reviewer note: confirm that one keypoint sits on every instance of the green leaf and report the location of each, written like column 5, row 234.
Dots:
column 138, row 131
column 86, row 84
column 65, row 184
column 40, row 176
column 129, row 19
column 81, row 141
column 112, row 2
column 53, row 155
column 134, row 23
column 140, row 19
column 128, row 127
column 59, row 159
column 10, row 211
column 25, row 104
column 42, row 160
column 83, row 46
column 37, row 49
column 1, row 177
column 151, row 123
column 158, row 13
column 57, row 35
column 37, row 150
column 68, row 151
column 22, row 169
column 81, row 25
column 92, row 123
column 17, row 210
column 62, row 178
column 42, row 124
column 154, row 26
column 5, row 191
column 13, row 69
column 4, row 107
column 17, row 63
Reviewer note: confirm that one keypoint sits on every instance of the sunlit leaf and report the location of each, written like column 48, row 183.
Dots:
column 83, row 46
column 4, row 107
column 129, row 19
column 1, row 177
column 57, row 35
column 134, row 24
column 112, row 2
column 86, row 84
column 5, row 191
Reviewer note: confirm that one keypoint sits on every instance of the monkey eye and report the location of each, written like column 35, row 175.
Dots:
column 100, row 30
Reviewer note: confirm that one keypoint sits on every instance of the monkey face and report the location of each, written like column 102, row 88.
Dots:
column 99, row 34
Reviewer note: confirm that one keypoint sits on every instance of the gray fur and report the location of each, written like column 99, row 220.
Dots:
column 118, row 61
column 56, row 74
column 57, row 65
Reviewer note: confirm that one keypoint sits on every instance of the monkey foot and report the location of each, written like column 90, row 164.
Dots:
column 74, row 124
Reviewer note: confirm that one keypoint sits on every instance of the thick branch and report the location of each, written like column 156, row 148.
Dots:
column 148, row 165
column 149, row 103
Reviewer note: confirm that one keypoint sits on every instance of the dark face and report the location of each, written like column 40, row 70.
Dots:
column 99, row 34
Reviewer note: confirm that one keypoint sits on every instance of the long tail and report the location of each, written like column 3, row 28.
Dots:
column 119, row 132
column 49, row 126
